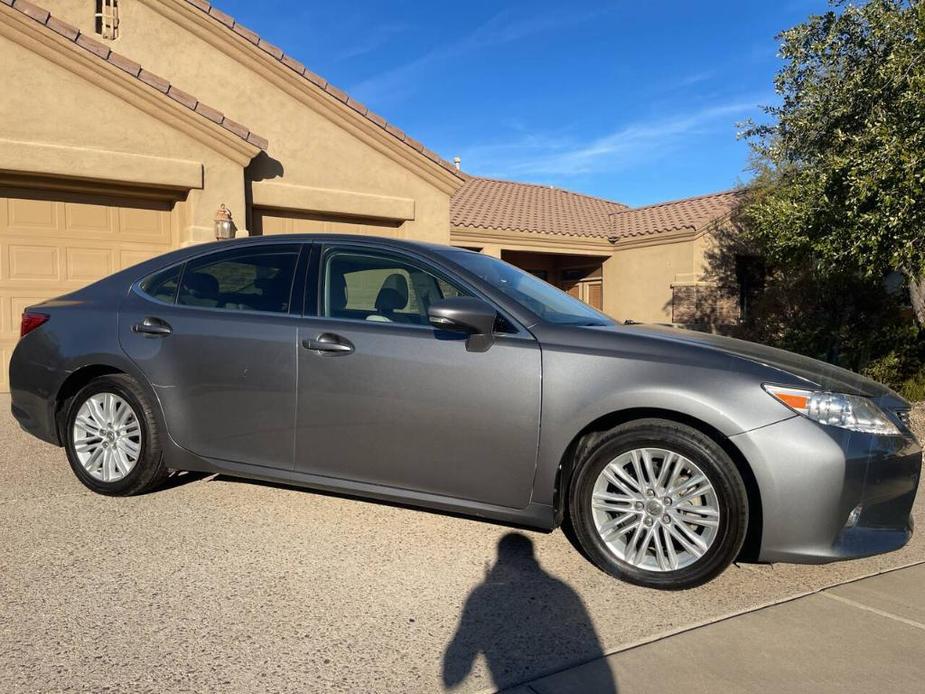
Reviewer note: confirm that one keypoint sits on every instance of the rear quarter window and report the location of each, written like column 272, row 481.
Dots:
column 162, row 285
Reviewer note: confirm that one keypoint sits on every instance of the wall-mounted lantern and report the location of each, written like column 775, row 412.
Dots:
column 224, row 224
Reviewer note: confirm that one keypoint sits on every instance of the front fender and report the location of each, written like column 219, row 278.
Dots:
column 580, row 388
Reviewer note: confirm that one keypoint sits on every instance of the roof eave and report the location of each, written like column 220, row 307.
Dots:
column 22, row 24
column 246, row 47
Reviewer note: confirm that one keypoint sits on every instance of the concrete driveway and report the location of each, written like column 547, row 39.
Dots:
column 220, row 585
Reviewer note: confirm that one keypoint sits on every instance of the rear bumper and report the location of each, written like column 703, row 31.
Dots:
column 829, row 494
column 33, row 389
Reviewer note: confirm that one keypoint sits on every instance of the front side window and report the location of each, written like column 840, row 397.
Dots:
column 256, row 280
column 369, row 286
column 537, row 296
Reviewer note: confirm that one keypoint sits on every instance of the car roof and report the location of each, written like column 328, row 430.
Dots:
column 336, row 238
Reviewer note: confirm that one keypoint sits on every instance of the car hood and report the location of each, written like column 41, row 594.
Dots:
column 811, row 371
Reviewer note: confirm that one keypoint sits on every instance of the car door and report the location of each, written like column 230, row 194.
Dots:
column 386, row 399
column 216, row 338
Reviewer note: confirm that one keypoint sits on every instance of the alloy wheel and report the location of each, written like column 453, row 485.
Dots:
column 655, row 509
column 107, row 437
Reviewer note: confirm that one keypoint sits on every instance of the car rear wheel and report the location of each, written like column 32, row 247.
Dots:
column 111, row 437
column 658, row 503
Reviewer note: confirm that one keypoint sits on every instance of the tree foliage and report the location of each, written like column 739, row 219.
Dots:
column 841, row 161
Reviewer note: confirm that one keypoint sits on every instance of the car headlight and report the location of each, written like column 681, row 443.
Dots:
column 851, row 412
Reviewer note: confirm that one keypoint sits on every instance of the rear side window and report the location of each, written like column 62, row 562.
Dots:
column 258, row 280
column 162, row 285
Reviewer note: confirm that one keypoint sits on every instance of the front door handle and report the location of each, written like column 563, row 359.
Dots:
column 153, row 326
column 328, row 343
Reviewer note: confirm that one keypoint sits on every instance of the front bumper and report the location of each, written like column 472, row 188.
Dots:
column 829, row 494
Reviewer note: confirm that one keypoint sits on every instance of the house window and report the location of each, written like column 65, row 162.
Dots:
column 107, row 18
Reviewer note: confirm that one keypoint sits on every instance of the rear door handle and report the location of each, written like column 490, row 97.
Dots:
column 328, row 343
column 153, row 326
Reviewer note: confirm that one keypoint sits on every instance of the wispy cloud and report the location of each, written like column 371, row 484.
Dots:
column 696, row 78
column 504, row 28
column 564, row 155
column 372, row 41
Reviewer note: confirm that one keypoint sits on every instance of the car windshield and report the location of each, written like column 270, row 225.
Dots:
column 534, row 294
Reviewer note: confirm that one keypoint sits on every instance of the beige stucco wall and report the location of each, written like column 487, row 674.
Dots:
column 55, row 122
column 638, row 278
column 308, row 147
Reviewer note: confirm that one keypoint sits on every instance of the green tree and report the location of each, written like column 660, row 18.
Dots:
column 841, row 161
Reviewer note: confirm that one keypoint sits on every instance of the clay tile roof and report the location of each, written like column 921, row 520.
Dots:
column 486, row 203
column 690, row 213
column 132, row 68
column 288, row 61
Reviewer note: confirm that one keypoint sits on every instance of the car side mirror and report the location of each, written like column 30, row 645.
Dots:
column 466, row 314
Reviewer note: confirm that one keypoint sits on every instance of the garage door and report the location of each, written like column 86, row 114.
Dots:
column 268, row 222
column 52, row 243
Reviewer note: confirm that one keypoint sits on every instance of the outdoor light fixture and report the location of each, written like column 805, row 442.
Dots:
column 224, row 224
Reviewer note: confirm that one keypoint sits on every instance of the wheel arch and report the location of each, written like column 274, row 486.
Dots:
column 71, row 386
column 586, row 437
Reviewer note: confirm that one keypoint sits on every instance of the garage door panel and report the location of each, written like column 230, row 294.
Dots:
column 88, row 264
column 54, row 243
column 80, row 220
column 149, row 226
column 29, row 216
column 129, row 258
column 32, row 262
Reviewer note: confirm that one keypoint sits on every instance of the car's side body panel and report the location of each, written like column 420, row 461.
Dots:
column 417, row 411
column 225, row 381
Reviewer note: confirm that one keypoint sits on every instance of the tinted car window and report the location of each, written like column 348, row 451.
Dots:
column 243, row 281
column 378, row 287
column 547, row 302
column 162, row 285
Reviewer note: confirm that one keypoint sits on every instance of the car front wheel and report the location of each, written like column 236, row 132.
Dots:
column 658, row 503
column 111, row 437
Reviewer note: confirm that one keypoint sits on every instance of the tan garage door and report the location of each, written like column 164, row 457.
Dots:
column 268, row 222
column 52, row 243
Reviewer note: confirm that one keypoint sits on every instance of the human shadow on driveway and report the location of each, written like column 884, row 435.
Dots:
column 526, row 623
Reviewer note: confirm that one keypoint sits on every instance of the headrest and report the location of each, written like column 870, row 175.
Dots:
column 202, row 285
column 394, row 293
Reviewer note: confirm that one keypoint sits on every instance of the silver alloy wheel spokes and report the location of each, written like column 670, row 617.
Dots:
column 655, row 509
column 107, row 437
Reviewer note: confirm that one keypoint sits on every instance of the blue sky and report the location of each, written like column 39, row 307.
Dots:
column 636, row 102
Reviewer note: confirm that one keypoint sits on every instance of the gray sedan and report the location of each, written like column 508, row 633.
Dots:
column 448, row 379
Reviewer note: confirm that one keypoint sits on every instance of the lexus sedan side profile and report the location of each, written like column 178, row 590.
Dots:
column 448, row 379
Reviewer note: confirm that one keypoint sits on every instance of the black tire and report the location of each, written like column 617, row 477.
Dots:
column 599, row 449
column 150, row 469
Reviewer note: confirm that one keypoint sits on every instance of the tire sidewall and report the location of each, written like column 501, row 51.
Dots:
column 699, row 449
column 141, row 473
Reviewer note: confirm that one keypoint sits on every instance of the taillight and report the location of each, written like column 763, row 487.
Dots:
column 30, row 321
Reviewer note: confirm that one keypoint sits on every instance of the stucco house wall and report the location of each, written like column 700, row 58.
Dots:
column 323, row 156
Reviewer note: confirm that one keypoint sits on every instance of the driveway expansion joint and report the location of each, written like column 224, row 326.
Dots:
column 868, row 608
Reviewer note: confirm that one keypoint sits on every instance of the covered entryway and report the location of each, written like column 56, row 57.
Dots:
column 54, row 242
column 579, row 275
column 272, row 221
